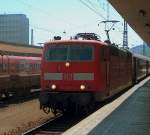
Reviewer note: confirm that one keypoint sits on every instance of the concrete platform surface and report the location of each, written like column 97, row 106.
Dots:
column 127, row 115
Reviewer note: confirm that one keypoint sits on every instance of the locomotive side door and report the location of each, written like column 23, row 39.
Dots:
column 106, row 64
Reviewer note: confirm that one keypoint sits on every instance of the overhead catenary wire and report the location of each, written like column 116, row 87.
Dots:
column 88, row 3
column 64, row 21
column 95, row 6
column 93, row 10
column 60, row 19
column 92, row 7
column 41, row 28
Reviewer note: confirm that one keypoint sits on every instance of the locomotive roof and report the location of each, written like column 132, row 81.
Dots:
column 75, row 41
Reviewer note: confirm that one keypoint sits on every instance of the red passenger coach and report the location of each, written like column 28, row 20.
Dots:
column 78, row 73
column 18, row 74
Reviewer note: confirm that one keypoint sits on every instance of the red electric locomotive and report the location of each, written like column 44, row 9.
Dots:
column 77, row 73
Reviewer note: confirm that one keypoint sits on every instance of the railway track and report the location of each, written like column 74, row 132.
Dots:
column 40, row 129
column 61, row 123
column 55, row 126
column 14, row 99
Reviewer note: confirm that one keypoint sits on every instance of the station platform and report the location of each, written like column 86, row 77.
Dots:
column 7, row 48
column 127, row 115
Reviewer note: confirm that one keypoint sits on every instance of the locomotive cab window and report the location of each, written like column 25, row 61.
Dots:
column 56, row 53
column 69, row 52
column 81, row 53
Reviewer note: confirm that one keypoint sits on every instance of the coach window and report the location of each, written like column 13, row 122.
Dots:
column 5, row 67
column 30, row 66
column 34, row 66
column 27, row 66
column 17, row 67
column 39, row 66
column 21, row 66
column 1, row 67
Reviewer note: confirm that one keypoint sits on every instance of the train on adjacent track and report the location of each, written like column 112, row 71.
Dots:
column 79, row 73
column 18, row 74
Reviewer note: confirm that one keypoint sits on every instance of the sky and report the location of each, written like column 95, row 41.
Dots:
column 65, row 18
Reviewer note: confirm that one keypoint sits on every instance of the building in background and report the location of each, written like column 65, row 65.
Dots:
column 14, row 28
column 141, row 49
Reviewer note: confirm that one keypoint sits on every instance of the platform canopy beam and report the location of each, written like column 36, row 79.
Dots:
column 137, row 14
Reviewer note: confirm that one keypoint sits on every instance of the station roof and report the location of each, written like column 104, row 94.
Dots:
column 19, row 49
column 137, row 14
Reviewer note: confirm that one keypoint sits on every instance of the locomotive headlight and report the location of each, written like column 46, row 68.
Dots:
column 82, row 87
column 53, row 86
column 67, row 64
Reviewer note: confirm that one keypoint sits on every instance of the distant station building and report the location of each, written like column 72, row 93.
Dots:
column 14, row 28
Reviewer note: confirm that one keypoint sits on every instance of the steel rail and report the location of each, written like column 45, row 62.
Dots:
column 30, row 131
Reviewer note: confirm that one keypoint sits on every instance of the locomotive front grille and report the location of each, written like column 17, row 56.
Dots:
column 68, row 76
